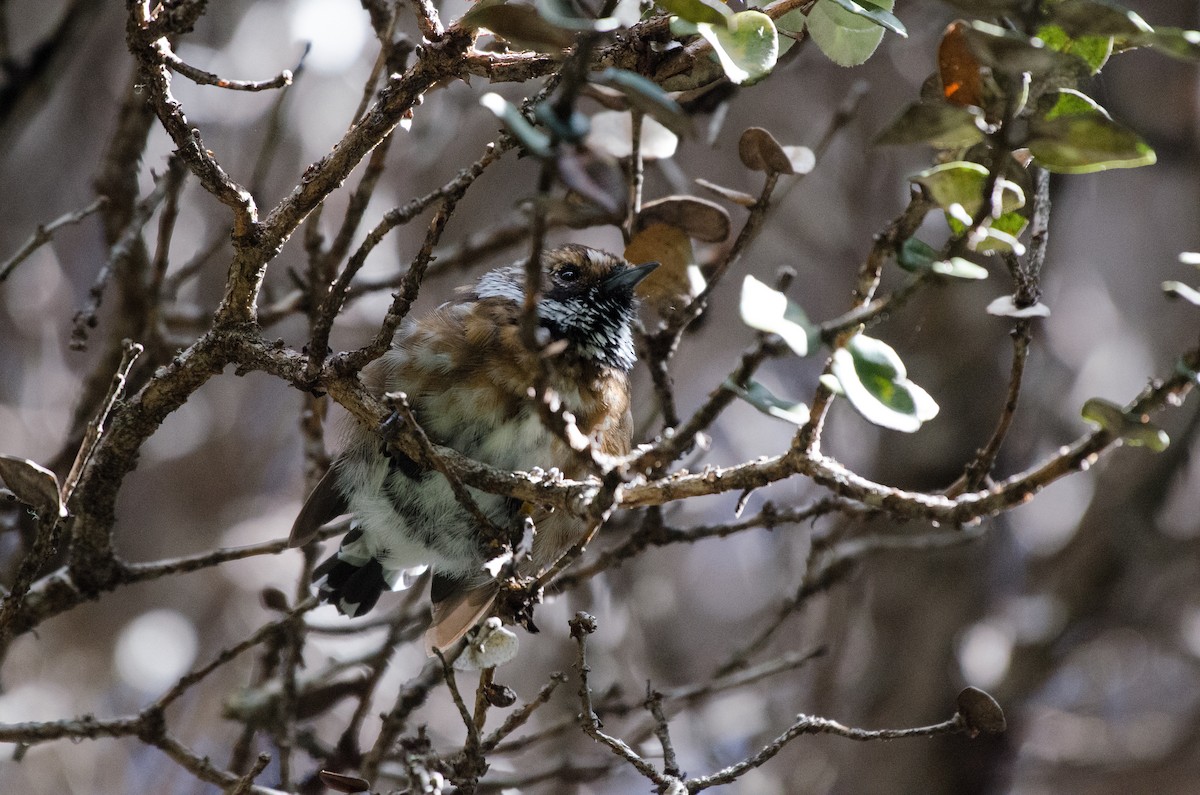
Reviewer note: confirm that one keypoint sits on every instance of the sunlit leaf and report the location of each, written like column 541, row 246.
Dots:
column 1094, row 50
column 846, row 39
column 612, row 132
column 1069, row 102
column 770, row 311
column 1182, row 291
column 1005, row 306
column 802, row 158
column 1084, row 143
column 962, row 182
column 873, row 379
column 999, row 234
column 746, row 44
column 959, row 268
column 768, row 403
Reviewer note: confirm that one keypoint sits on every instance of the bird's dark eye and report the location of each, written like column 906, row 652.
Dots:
column 568, row 274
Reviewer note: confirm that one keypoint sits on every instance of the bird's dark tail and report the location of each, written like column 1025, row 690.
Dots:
column 353, row 588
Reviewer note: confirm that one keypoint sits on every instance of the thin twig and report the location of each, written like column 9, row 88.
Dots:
column 130, row 351
column 203, row 78
column 45, row 233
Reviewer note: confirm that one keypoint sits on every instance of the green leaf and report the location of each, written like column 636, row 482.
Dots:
column 877, row 14
column 1069, row 102
column 916, row 255
column 768, row 403
column 1081, row 144
column 1181, row 290
column 962, row 182
column 939, row 124
column 873, row 379
column 712, row 12
column 770, row 311
column 535, row 141
column 999, row 234
column 746, row 44
column 648, row 97
column 959, row 268
column 520, row 25
column 847, row 39
column 1007, row 51
column 1094, row 50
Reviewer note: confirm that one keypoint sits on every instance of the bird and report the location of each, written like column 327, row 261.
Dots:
column 467, row 373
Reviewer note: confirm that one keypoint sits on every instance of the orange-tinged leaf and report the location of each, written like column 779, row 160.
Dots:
column 958, row 68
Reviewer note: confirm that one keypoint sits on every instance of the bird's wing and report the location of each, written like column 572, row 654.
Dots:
column 324, row 503
column 456, row 608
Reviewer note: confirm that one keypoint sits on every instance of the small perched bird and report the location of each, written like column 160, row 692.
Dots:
column 467, row 374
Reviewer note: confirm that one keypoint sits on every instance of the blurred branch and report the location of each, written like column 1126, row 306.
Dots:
column 45, row 233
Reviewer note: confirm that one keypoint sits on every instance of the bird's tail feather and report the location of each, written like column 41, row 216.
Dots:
column 352, row 589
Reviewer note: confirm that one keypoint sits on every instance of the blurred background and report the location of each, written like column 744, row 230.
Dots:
column 1079, row 611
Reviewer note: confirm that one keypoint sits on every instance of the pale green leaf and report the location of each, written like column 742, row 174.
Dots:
column 938, row 124
column 872, row 378
column 846, row 39
column 959, row 268
column 745, row 43
column 962, row 182
column 768, row 403
column 1182, row 291
column 876, row 14
column 1005, row 306
column 1081, row 144
column 770, row 311
column 533, row 139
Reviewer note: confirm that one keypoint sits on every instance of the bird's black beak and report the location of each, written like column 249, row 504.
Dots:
column 625, row 280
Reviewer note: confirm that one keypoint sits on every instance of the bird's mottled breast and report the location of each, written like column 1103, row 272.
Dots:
column 467, row 374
